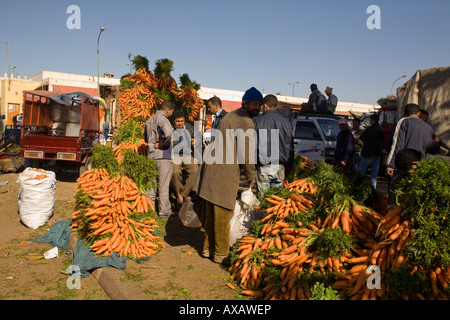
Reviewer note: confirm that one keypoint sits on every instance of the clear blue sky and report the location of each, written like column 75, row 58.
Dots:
column 236, row 44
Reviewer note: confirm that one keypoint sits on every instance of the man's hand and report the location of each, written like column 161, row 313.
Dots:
column 389, row 172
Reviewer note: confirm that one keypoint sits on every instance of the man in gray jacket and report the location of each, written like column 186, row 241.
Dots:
column 158, row 135
column 411, row 132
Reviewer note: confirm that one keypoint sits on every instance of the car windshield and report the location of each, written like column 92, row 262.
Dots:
column 330, row 128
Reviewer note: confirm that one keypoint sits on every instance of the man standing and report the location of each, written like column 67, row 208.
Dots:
column 332, row 100
column 411, row 132
column 218, row 180
column 344, row 147
column 158, row 133
column 183, row 160
column 317, row 102
column 372, row 149
column 357, row 143
column 214, row 105
column 275, row 146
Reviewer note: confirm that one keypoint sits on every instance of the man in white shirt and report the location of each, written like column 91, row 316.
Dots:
column 332, row 100
column 214, row 105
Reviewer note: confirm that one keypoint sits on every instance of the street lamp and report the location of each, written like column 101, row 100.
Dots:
column 293, row 84
column 392, row 87
column 98, row 67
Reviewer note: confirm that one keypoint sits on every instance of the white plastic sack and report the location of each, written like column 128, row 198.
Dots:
column 36, row 197
column 244, row 215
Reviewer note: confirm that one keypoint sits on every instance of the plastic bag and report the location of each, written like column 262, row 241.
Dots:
column 190, row 213
column 244, row 215
column 36, row 197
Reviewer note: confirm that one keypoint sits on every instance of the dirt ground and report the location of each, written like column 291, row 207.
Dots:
column 178, row 272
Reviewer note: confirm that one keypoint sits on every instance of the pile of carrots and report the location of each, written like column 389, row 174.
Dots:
column 191, row 103
column 277, row 263
column 140, row 148
column 139, row 102
column 117, row 219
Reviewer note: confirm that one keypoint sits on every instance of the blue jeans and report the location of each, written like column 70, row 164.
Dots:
column 270, row 176
column 374, row 164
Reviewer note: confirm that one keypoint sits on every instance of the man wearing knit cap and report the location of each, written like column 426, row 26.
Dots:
column 218, row 179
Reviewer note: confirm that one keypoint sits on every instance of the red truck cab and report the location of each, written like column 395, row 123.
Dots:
column 388, row 116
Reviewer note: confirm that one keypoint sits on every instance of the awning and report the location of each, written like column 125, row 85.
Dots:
column 70, row 89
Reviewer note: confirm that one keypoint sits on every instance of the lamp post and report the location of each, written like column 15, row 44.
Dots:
column 392, row 87
column 98, row 67
column 293, row 84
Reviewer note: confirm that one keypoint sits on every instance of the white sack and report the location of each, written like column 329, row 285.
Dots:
column 36, row 197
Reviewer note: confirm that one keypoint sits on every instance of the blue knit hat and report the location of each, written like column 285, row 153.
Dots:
column 252, row 94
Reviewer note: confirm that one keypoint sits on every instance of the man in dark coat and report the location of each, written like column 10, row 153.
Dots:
column 372, row 149
column 218, row 180
column 344, row 147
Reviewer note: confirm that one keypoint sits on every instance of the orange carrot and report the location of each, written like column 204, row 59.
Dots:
column 392, row 212
column 229, row 285
column 345, row 221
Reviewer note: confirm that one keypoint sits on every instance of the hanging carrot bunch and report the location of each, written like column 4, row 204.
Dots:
column 139, row 102
column 191, row 102
column 165, row 81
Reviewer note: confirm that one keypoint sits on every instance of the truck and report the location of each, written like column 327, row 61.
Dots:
column 59, row 129
column 430, row 90
column 315, row 136
column 388, row 116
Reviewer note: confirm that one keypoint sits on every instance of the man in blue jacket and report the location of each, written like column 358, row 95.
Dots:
column 275, row 146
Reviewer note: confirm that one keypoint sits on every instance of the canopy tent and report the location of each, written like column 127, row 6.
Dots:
column 430, row 89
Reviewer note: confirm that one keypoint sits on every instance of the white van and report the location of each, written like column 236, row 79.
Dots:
column 315, row 136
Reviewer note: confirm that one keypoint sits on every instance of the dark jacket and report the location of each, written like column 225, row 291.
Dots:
column 316, row 103
column 287, row 113
column 344, row 146
column 218, row 182
column 372, row 139
column 272, row 119
column 218, row 118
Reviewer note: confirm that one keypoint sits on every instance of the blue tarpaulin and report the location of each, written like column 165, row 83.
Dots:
column 84, row 257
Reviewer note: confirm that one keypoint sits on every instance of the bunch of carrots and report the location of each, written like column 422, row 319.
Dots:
column 116, row 218
column 191, row 102
column 279, row 261
column 140, row 148
column 139, row 102
column 394, row 233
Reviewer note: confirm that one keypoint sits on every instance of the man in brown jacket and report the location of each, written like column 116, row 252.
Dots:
column 218, row 180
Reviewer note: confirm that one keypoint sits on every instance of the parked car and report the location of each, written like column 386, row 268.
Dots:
column 315, row 136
